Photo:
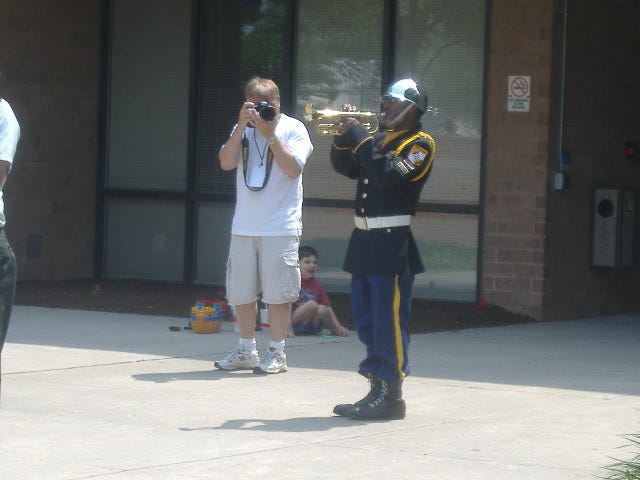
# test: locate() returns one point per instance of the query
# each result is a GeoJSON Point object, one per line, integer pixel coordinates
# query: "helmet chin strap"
{"type": "Point", "coordinates": [391, 124]}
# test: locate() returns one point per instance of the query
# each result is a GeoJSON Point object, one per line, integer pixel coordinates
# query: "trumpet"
{"type": "Point", "coordinates": [326, 119]}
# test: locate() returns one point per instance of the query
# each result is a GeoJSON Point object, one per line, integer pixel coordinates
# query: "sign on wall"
{"type": "Point", "coordinates": [518, 93]}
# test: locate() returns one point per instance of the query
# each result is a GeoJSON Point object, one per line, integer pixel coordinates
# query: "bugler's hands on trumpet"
{"type": "Point", "coordinates": [344, 124]}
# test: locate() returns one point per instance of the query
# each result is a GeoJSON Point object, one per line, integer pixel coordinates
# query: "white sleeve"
{"type": "Point", "coordinates": [299, 142]}
{"type": "Point", "coordinates": [9, 132]}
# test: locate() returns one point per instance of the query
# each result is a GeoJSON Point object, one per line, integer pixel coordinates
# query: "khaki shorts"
{"type": "Point", "coordinates": [263, 264]}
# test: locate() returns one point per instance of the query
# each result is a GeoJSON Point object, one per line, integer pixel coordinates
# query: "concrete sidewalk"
{"type": "Point", "coordinates": [89, 395]}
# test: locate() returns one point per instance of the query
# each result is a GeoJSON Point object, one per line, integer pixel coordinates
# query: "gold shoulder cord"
{"type": "Point", "coordinates": [432, 147]}
{"type": "Point", "coordinates": [411, 139]}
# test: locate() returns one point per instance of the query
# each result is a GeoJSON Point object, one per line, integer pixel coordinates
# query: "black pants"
{"type": "Point", "coordinates": [7, 289]}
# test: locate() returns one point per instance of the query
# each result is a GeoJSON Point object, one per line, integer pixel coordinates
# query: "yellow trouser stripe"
{"type": "Point", "coordinates": [396, 327]}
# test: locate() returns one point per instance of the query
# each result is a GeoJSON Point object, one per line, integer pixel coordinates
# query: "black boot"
{"type": "Point", "coordinates": [343, 408]}
{"type": "Point", "coordinates": [387, 405]}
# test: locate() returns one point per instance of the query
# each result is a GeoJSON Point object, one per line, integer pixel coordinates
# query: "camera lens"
{"type": "Point", "coordinates": [266, 111]}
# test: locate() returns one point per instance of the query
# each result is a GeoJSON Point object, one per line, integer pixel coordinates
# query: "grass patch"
{"type": "Point", "coordinates": [625, 469]}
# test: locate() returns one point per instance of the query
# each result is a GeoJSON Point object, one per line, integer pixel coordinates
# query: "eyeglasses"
{"type": "Point", "coordinates": [390, 99]}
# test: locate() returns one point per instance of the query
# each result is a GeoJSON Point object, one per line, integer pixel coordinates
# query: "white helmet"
{"type": "Point", "coordinates": [408, 90]}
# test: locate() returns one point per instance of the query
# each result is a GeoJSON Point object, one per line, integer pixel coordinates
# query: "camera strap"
{"type": "Point", "coordinates": [245, 163]}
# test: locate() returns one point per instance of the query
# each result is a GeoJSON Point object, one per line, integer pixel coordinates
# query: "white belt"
{"type": "Point", "coordinates": [369, 223]}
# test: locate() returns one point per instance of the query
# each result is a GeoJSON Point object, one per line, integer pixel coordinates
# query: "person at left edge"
{"type": "Point", "coordinates": [9, 136]}
{"type": "Point", "coordinates": [269, 150]}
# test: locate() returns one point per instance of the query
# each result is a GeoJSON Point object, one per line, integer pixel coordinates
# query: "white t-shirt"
{"type": "Point", "coordinates": [9, 136]}
{"type": "Point", "coordinates": [276, 209]}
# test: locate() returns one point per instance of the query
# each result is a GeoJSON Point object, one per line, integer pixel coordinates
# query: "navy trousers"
{"type": "Point", "coordinates": [380, 308]}
{"type": "Point", "coordinates": [7, 289]}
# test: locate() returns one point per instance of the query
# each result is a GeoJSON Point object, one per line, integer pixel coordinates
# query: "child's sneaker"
{"type": "Point", "coordinates": [275, 361]}
{"type": "Point", "coordinates": [239, 360]}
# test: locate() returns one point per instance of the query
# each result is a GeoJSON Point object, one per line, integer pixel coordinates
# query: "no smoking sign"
{"type": "Point", "coordinates": [518, 93]}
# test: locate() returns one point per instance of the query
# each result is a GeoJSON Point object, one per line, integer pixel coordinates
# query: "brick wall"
{"type": "Point", "coordinates": [50, 57]}
{"type": "Point", "coordinates": [601, 112]}
{"type": "Point", "coordinates": [537, 240]}
{"type": "Point", "coordinates": [516, 167]}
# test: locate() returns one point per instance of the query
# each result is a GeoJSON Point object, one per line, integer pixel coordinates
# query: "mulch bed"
{"type": "Point", "coordinates": [174, 300]}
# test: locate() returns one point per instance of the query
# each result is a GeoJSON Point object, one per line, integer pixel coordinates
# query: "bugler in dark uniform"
{"type": "Point", "coordinates": [391, 168]}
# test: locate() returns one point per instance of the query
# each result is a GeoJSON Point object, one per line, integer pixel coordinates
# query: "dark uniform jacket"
{"type": "Point", "coordinates": [391, 169]}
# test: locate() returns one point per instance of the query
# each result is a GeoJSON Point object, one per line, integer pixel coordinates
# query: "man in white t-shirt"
{"type": "Point", "coordinates": [9, 136]}
{"type": "Point", "coordinates": [269, 150]}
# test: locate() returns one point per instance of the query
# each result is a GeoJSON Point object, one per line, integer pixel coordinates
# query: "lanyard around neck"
{"type": "Point", "coordinates": [245, 163]}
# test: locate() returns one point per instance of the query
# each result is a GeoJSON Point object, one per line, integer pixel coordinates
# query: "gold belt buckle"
{"type": "Point", "coordinates": [361, 223]}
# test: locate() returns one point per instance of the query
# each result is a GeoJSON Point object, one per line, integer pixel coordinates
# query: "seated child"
{"type": "Point", "coordinates": [312, 311]}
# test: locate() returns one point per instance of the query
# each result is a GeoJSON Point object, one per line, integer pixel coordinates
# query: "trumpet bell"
{"type": "Point", "coordinates": [325, 119]}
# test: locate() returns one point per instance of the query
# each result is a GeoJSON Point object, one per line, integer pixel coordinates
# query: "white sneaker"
{"type": "Point", "coordinates": [238, 360]}
{"type": "Point", "coordinates": [275, 361]}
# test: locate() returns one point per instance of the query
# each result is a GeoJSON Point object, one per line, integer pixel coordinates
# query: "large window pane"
{"type": "Point", "coordinates": [145, 239]}
{"type": "Point", "coordinates": [212, 240]}
{"type": "Point", "coordinates": [238, 40]}
{"type": "Point", "coordinates": [148, 95]}
{"type": "Point", "coordinates": [339, 61]}
{"type": "Point", "coordinates": [447, 244]}
{"type": "Point", "coordinates": [442, 43]}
